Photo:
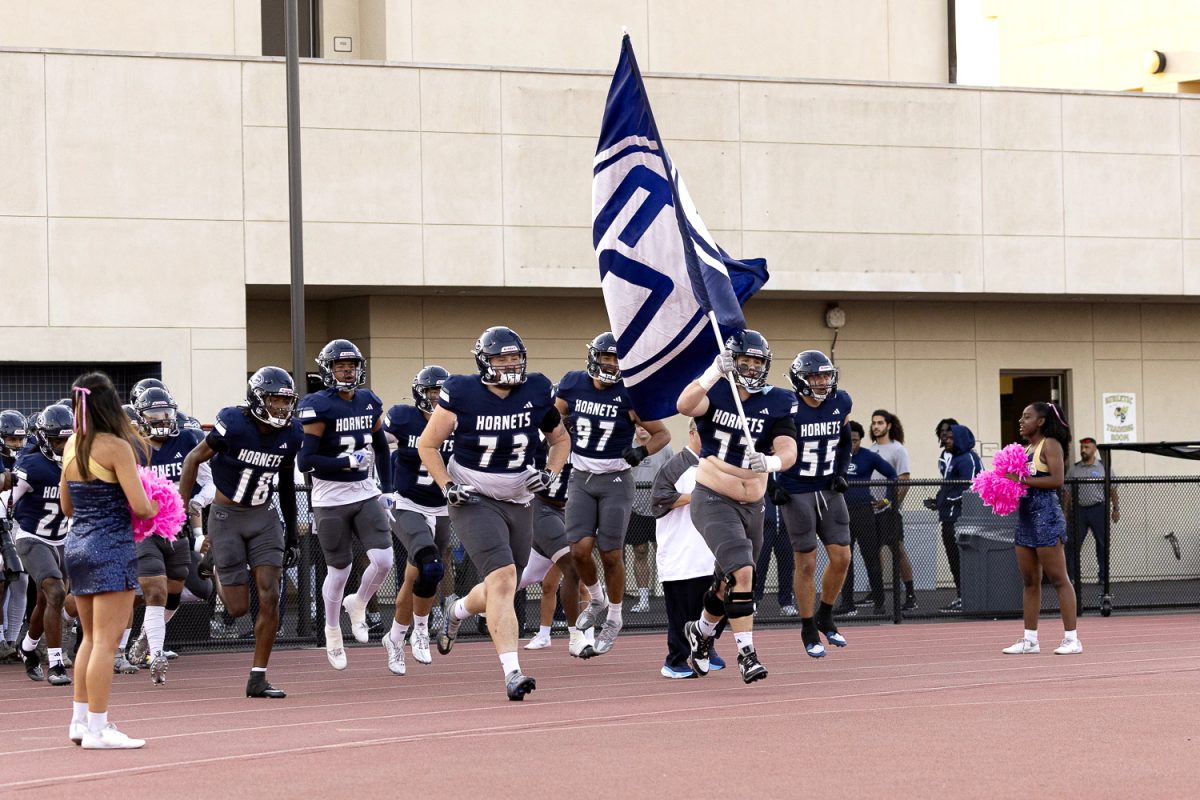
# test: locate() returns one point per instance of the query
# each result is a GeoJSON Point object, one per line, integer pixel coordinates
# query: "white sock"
{"type": "Point", "coordinates": [596, 592]}
{"type": "Point", "coordinates": [125, 637]}
{"type": "Point", "coordinates": [509, 663]}
{"type": "Point", "coordinates": [332, 589]}
{"type": "Point", "coordinates": [78, 712]}
{"type": "Point", "coordinates": [258, 669]}
{"type": "Point", "coordinates": [1030, 636]}
{"type": "Point", "coordinates": [1071, 636]}
{"type": "Point", "coordinates": [571, 630]}
{"type": "Point", "coordinates": [397, 633]}
{"type": "Point", "coordinates": [744, 639]}
{"type": "Point", "coordinates": [28, 644]}
{"type": "Point", "coordinates": [55, 654]}
{"type": "Point", "coordinates": [643, 595]}
{"type": "Point", "coordinates": [706, 627]}
{"type": "Point", "coordinates": [97, 721]}
{"type": "Point", "coordinates": [421, 621]}
{"type": "Point", "coordinates": [156, 628]}
{"type": "Point", "coordinates": [614, 613]}
{"type": "Point", "coordinates": [544, 631]}
{"type": "Point", "coordinates": [460, 609]}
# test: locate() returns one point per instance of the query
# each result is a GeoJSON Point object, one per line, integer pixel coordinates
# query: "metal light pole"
{"type": "Point", "coordinates": [295, 204]}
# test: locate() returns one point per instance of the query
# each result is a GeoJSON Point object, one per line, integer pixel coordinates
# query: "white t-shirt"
{"type": "Point", "coordinates": [895, 454]}
{"type": "Point", "coordinates": [681, 551]}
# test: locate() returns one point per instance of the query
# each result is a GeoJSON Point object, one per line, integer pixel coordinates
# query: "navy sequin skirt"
{"type": "Point", "coordinates": [1040, 520]}
{"type": "Point", "coordinates": [100, 554]}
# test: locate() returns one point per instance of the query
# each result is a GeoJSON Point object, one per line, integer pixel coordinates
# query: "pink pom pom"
{"type": "Point", "coordinates": [171, 513]}
{"type": "Point", "coordinates": [995, 489]}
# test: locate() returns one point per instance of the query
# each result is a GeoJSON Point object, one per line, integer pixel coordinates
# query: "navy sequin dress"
{"type": "Point", "coordinates": [100, 555]}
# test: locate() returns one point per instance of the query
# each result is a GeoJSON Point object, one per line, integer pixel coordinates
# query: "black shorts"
{"type": "Point", "coordinates": [157, 557]}
{"type": "Point", "coordinates": [338, 525]}
{"type": "Point", "coordinates": [243, 536]}
{"type": "Point", "coordinates": [42, 560]}
{"type": "Point", "coordinates": [641, 530]}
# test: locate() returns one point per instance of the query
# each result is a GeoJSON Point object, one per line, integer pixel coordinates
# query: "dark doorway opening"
{"type": "Point", "coordinates": [1019, 388]}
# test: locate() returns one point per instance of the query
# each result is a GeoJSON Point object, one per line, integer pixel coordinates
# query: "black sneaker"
{"type": "Point", "coordinates": [205, 567]}
{"type": "Point", "coordinates": [910, 603]}
{"type": "Point", "coordinates": [701, 647]}
{"type": "Point", "coordinates": [33, 664]}
{"type": "Point", "coordinates": [955, 607]}
{"type": "Point", "coordinates": [517, 685]}
{"type": "Point", "coordinates": [58, 676]}
{"type": "Point", "coordinates": [258, 686]}
{"type": "Point", "coordinates": [752, 669]}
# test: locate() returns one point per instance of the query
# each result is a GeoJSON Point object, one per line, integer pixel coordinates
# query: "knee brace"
{"type": "Point", "coordinates": [429, 572]}
{"type": "Point", "coordinates": [739, 604]}
{"type": "Point", "coordinates": [173, 600]}
{"type": "Point", "coordinates": [713, 603]}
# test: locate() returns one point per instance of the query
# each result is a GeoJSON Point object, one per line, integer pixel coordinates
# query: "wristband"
{"type": "Point", "coordinates": [774, 463]}
{"type": "Point", "coordinates": [710, 377]}
{"type": "Point", "coordinates": [198, 535]}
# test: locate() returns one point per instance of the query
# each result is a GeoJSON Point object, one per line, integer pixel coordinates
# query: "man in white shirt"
{"type": "Point", "coordinates": [685, 564]}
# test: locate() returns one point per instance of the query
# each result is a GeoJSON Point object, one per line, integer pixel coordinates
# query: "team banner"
{"type": "Point", "coordinates": [660, 269]}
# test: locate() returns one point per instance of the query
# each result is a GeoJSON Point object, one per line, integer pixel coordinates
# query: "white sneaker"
{"type": "Point", "coordinates": [76, 731]}
{"type": "Point", "coordinates": [1022, 647]}
{"type": "Point", "coordinates": [419, 641]}
{"type": "Point", "coordinates": [1069, 647]}
{"type": "Point", "coordinates": [358, 617]}
{"type": "Point", "coordinates": [334, 650]}
{"type": "Point", "coordinates": [579, 646]}
{"type": "Point", "coordinates": [110, 739]}
{"type": "Point", "coordinates": [788, 610]}
{"type": "Point", "coordinates": [641, 607]}
{"type": "Point", "coordinates": [538, 642]}
{"type": "Point", "coordinates": [395, 655]}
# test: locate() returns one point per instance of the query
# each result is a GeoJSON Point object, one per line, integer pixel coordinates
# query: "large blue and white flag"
{"type": "Point", "coordinates": [660, 270]}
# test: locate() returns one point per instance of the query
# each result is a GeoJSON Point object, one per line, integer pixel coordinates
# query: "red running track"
{"type": "Point", "coordinates": [927, 710]}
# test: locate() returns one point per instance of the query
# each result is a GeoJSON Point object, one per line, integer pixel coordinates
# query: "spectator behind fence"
{"type": "Point", "coordinates": [958, 442]}
{"type": "Point", "coordinates": [887, 439]}
{"type": "Point", "coordinates": [776, 543]}
{"type": "Point", "coordinates": [685, 564]}
{"type": "Point", "coordinates": [641, 522]}
{"type": "Point", "coordinates": [1089, 515]}
{"type": "Point", "coordinates": [864, 465]}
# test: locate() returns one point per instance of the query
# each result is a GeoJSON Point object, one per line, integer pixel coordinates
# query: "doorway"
{"type": "Point", "coordinates": [1019, 388]}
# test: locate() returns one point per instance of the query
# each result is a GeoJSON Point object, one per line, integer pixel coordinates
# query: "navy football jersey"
{"type": "Point", "coordinates": [167, 460]}
{"type": "Point", "coordinates": [720, 430]}
{"type": "Point", "coordinates": [601, 419]}
{"type": "Point", "coordinates": [496, 434]}
{"type": "Point", "coordinates": [410, 479]}
{"type": "Point", "coordinates": [558, 487]}
{"type": "Point", "coordinates": [37, 510]}
{"type": "Point", "coordinates": [817, 433]}
{"type": "Point", "coordinates": [348, 425]}
{"type": "Point", "coordinates": [247, 460]}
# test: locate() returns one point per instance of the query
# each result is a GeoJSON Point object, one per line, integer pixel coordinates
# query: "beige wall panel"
{"type": "Point", "coordinates": [372, 30]}
{"type": "Point", "coordinates": [569, 35]}
{"type": "Point", "coordinates": [795, 324]}
{"type": "Point", "coordinates": [1117, 322]}
{"type": "Point", "coordinates": [460, 101]}
{"type": "Point", "coordinates": [692, 109]}
{"type": "Point", "coordinates": [1113, 124]}
{"type": "Point", "coordinates": [917, 41]}
{"type": "Point", "coordinates": [1022, 193]}
{"type": "Point", "coordinates": [336, 254]}
{"type": "Point", "coordinates": [1190, 179]}
{"type": "Point", "coordinates": [546, 257]}
{"type": "Point", "coordinates": [460, 179]}
{"type": "Point", "coordinates": [218, 380]}
{"type": "Point", "coordinates": [1168, 351]}
{"type": "Point", "coordinates": [712, 174]}
{"type": "Point", "coordinates": [846, 350]}
{"type": "Point", "coordinates": [101, 163]}
{"type": "Point", "coordinates": [340, 18]}
{"type": "Point", "coordinates": [1121, 195]}
{"type": "Point", "coordinates": [247, 27]}
{"type": "Point", "coordinates": [844, 40]}
{"type": "Point", "coordinates": [1021, 120]}
{"type": "Point", "coordinates": [23, 134]}
{"type": "Point", "coordinates": [1165, 413]}
{"type": "Point", "coordinates": [838, 262]}
{"type": "Point", "coordinates": [1189, 125]}
{"type": "Point", "coordinates": [110, 272]}
{"type": "Point", "coordinates": [871, 384]}
{"type": "Point", "coordinates": [1148, 266]}
{"type": "Point", "coordinates": [270, 321]}
{"type": "Point", "coordinates": [1034, 322]}
{"type": "Point", "coordinates": [537, 189]}
{"type": "Point", "coordinates": [933, 321]}
{"type": "Point", "coordinates": [936, 351]}
{"type": "Point", "coordinates": [867, 115]}
{"type": "Point", "coordinates": [261, 354]}
{"type": "Point", "coordinates": [121, 25]}
{"type": "Point", "coordinates": [1129, 351]}
{"type": "Point", "coordinates": [171, 346]}
{"type": "Point", "coordinates": [1170, 322]}
{"type": "Point", "coordinates": [264, 156]}
{"type": "Point", "coordinates": [219, 338]}
{"type": "Point", "coordinates": [397, 317]}
{"type": "Point", "coordinates": [391, 379]}
{"type": "Point", "coordinates": [335, 96]}
{"type": "Point", "coordinates": [929, 391]}
{"type": "Point", "coordinates": [24, 272]}
{"type": "Point", "coordinates": [1024, 264]}
{"type": "Point", "coordinates": [820, 187]}
{"type": "Point", "coordinates": [553, 105]}
{"type": "Point", "coordinates": [1191, 267]}
{"type": "Point", "coordinates": [463, 255]}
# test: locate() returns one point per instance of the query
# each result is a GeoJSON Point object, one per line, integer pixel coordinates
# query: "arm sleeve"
{"type": "Point", "coordinates": [663, 493]}
{"type": "Point", "coordinates": [551, 420]}
{"type": "Point", "coordinates": [311, 460]}
{"type": "Point", "coordinates": [287, 498]}
{"type": "Point", "coordinates": [383, 461]}
{"type": "Point", "coordinates": [841, 459]}
{"type": "Point", "coordinates": [784, 426]}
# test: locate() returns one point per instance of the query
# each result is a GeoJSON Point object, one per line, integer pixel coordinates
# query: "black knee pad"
{"type": "Point", "coordinates": [429, 572]}
{"type": "Point", "coordinates": [713, 603]}
{"type": "Point", "coordinates": [739, 604]}
{"type": "Point", "coordinates": [173, 601]}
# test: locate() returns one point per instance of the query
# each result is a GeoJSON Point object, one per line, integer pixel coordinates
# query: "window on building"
{"type": "Point", "coordinates": [274, 35]}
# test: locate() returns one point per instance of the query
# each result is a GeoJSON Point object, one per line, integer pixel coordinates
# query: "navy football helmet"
{"type": "Point", "coordinates": [429, 378]}
{"type": "Point", "coordinates": [131, 412]}
{"type": "Point", "coordinates": [143, 385]}
{"type": "Point", "coordinates": [604, 343]}
{"type": "Point", "coordinates": [157, 413]}
{"type": "Point", "coordinates": [754, 344]}
{"type": "Point", "coordinates": [807, 364]}
{"type": "Point", "coordinates": [55, 425]}
{"type": "Point", "coordinates": [499, 341]}
{"type": "Point", "coordinates": [271, 382]}
{"type": "Point", "coordinates": [341, 350]}
{"type": "Point", "coordinates": [14, 430]}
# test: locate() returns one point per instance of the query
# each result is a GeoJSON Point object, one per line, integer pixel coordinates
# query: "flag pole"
{"type": "Point", "coordinates": [733, 385]}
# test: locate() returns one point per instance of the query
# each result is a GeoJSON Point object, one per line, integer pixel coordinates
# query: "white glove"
{"type": "Point", "coordinates": [758, 462]}
{"type": "Point", "coordinates": [539, 481]}
{"type": "Point", "coordinates": [361, 459]}
{"type": "Point", "coordinates": [387, 500]}
{"type": "Point", "coordinates": [722, 365]}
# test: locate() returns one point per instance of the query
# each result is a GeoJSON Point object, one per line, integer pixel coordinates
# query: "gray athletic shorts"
{"type": "Point", "coordinates": [411, 529]}
{"type": "Point", "coordinates": [41, 559]}
{"type": "Point", "coordinates": [549, 528]}
{"type": "Point", "coordinates": [733, 531]}
{"type": "Point", "coordinates": [816, 514]}
{"type": "Point", "coordinates": [599, 504]}
{"type": "Point", "coordinates": [156, 557]}
{"type": "Point", "coordinates": [495, 534]}
{"type": "Point", "coordinates": [242, 535]}
{"type": "Point", "coordinates": [337, 525]}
